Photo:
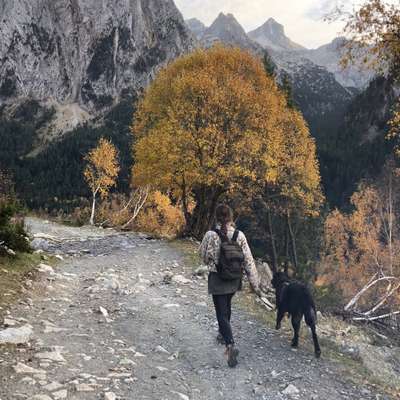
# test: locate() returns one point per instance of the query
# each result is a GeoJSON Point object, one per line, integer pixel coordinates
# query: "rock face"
{"type": "Point", "coordinates": [361, 144]}
{"type": "Point", "coordinates": [85, 52]}
{"type": "Point", "coordinates": [226, 29]}
{"type": "Point", "coordinates": [321, 98]}
{"type": "Point", "coordinates": [317, 93]}
{"type": "Point", "coordinates": [329, 56]}
{"type": "Point", "coordinates": [272, 35]}
{"type": "Point", "coordinates": [196, 26]}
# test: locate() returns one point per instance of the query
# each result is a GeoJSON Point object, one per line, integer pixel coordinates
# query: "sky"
{"type": "Point", "coordinates": [303, 19]}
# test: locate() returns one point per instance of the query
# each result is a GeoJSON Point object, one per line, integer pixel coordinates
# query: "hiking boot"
{"type": "Point", "coordinates": [220, 339]}
{"type": "Point", "coordinates": [232, 354]}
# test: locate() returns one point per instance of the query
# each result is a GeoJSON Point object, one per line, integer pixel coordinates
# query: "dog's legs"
{"type": "Point", "coordinates": [279, 317]}
{"type": "Point", "coordinates": [296, 321]}
{"type": "Point", "coordinates": [311, 319]}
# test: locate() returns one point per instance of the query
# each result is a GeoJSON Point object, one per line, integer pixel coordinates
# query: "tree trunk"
{"type": "Point", "coordinates": [293, 243]}
{"type": "Point", "coordinates": [93, 209]}
{"type": "Point", "coordinates": [272, 239]}
{"type": "Point", "coordinates": [287, 252]}
{"type": "Point", "coordinates": [266, 217]}
{"type": "Point", "coordinates": [203, 215]}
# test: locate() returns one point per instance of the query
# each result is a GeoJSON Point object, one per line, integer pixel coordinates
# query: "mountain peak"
{"type": "Point", "coordinates": [227, 20]}
{"type": "Point", "coordinates": [227, 29]}
{"type": "Point", "coordinates": [196, 26]}
{"type": "Point", "coordinates": [272, 35]}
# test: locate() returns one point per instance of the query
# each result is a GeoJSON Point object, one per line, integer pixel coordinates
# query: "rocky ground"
{"type": "Point", "coordinates": [122, 317]}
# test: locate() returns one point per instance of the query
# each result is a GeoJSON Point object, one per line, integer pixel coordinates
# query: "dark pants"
{"type": "Point", "coordinates": [222, 303]}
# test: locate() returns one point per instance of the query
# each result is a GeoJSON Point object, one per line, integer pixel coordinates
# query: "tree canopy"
{"type": "Point", "coordinates": [102, 170]}
{"type": "Point", "coordinates": [213, 122]}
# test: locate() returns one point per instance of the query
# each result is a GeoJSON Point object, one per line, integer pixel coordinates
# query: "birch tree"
{"type": "Point", "coordinates": [101, 171]}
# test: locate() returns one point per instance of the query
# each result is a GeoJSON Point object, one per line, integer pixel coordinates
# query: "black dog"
{"type": "Point", "coordinates": [295, 298]}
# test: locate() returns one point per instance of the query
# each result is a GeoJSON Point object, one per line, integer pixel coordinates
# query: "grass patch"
{"type": "Point", "coordinates": [189, 250]}
{"type": "Point", "coordinates": [13, 272]}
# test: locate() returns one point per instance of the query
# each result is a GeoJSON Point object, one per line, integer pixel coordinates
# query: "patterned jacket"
{"type": "Point", "coordinates": [210, 248]}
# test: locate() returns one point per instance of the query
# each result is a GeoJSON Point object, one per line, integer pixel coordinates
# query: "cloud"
{"type": "Point", "coordinates": [320, 9]}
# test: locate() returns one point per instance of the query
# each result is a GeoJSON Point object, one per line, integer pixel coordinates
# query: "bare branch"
{"type": "Point", "coordinates": [388, 315]}
{"type": "Point", "coordinates": [372, 283]}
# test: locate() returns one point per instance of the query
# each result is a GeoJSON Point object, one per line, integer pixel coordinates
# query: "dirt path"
{"type": "Point", "coordinates": [158, 339]}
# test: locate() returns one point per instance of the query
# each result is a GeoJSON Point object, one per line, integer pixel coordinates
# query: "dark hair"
{"type": "Point", "coordinates": [224, 215]}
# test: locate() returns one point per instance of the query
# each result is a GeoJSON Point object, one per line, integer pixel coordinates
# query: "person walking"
{"type": "Point", "coordinates": [226, 253]}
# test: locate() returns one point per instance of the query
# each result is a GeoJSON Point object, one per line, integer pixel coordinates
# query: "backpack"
{"type": "Point", "coordinates": [231, 259]}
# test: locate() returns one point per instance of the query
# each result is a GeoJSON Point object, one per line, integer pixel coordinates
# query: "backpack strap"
{"type": "Point", "coordinates": [235, 236]}
{"type": "Point", "coordinates": [223, 237]}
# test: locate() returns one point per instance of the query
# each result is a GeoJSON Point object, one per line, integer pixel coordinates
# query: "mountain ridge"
{"type": "Point", "coordinates": [272, 35]}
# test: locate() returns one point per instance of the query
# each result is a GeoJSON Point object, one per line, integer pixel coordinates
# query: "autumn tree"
{"type": "Point", "coordinates": [374, 36]}
{"type": "Point", "coordinates": [374, 43]}
{"type": "Point", "coordinates": [101, 171]}
{"type": "Point", "coordinates": [289, 191]}
{"type": "Point", "coordinates": [212, 123]}
{"type": "Point", "coordinates": [362, 250]}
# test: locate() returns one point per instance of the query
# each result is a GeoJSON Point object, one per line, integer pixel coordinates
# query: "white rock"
{"type": "Point", "coordinates": [9, 322]}
{"type": "Point", "coordinates": [110, 396]}
{"type": "Point", "coordinates": [291, 390]}
{"type": "Point", "coordinates": [103, 311]}
{"type": "Point", "coordinates": [181, 279]}
{"type": "Point", "coordinates": [61, 394]}
{"type": "Point", "coordinates": [171, 305]}
{"type": "Point", "coordinates": [84, 387]}
{"type": "Point", "coordinates": [51, 387]}
{"type": "Point", "coordinates": [50, 356]}
{"type": "Point", "coordinates": [11, 252]}
{"type": "Point", "coordinates": [21, 368]}
{"type": "Point", "coordinates": [16, 335]}
{"type": "Point", "coordinates": [127, 361]}
{"type": "Point", "coordinates": [160, 349]}
{"type": "Point", "coordinates": [41, 397]}
{"type": "Point", "coordinates": [28, 381]}
{"type": "Point", "coordinates": [202, 270]}
{"type": "Point", "coordinates": [44, 268]}
{"type": "Point", "coordinates": [182, 396]}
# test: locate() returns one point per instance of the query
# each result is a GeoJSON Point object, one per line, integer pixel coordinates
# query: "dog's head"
{"type": "Point", "coordinates": [279, 280]}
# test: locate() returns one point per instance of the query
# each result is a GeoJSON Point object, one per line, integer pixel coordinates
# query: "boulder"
{"type": "Point", "coordinates": [46, 269]}
{"type": "Point", "coordinates": [16, 335]}
{"type": "Point", "coordinates": [21, 368]}
{"type": "Point", "coordinates": [180, 279]}
{"type": "Point", "coordinates": [291, 390]}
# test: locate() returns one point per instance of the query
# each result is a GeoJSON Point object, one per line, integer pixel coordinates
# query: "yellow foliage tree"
{"type": "Point", "coordinates": [101, 171]}
{"type": "Point", "coordinates": [160, 217]}
{"type": "Point", "coordinates": [362, 249]}
{"type": "Point", "coordinates": [212, 123]}
{"type": "Point", "coordinates": [374, 32]}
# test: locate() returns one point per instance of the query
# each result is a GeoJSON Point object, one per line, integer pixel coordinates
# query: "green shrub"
{"type": "Point", "coordinates": [12, 231]}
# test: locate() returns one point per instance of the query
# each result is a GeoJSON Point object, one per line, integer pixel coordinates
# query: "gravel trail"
{"type": "Point", "coordinates": [109, 324]}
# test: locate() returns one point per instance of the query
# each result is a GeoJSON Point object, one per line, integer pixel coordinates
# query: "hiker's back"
{"type": "Point", "coordinates": [231, 258]}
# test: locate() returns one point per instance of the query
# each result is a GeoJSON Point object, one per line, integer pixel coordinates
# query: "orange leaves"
{"type": "Point", "coordinates": [214, 118]}
{"type": "Point", "coordinates": [102, 167]}
{"type": "Point", "coordinates": [366, 242]}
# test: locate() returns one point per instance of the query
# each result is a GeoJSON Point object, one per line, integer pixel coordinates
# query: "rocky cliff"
{"type": "Point", "coordinates": [85, 52]}
{"type": "Point", "coordinates": [272, 35]}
